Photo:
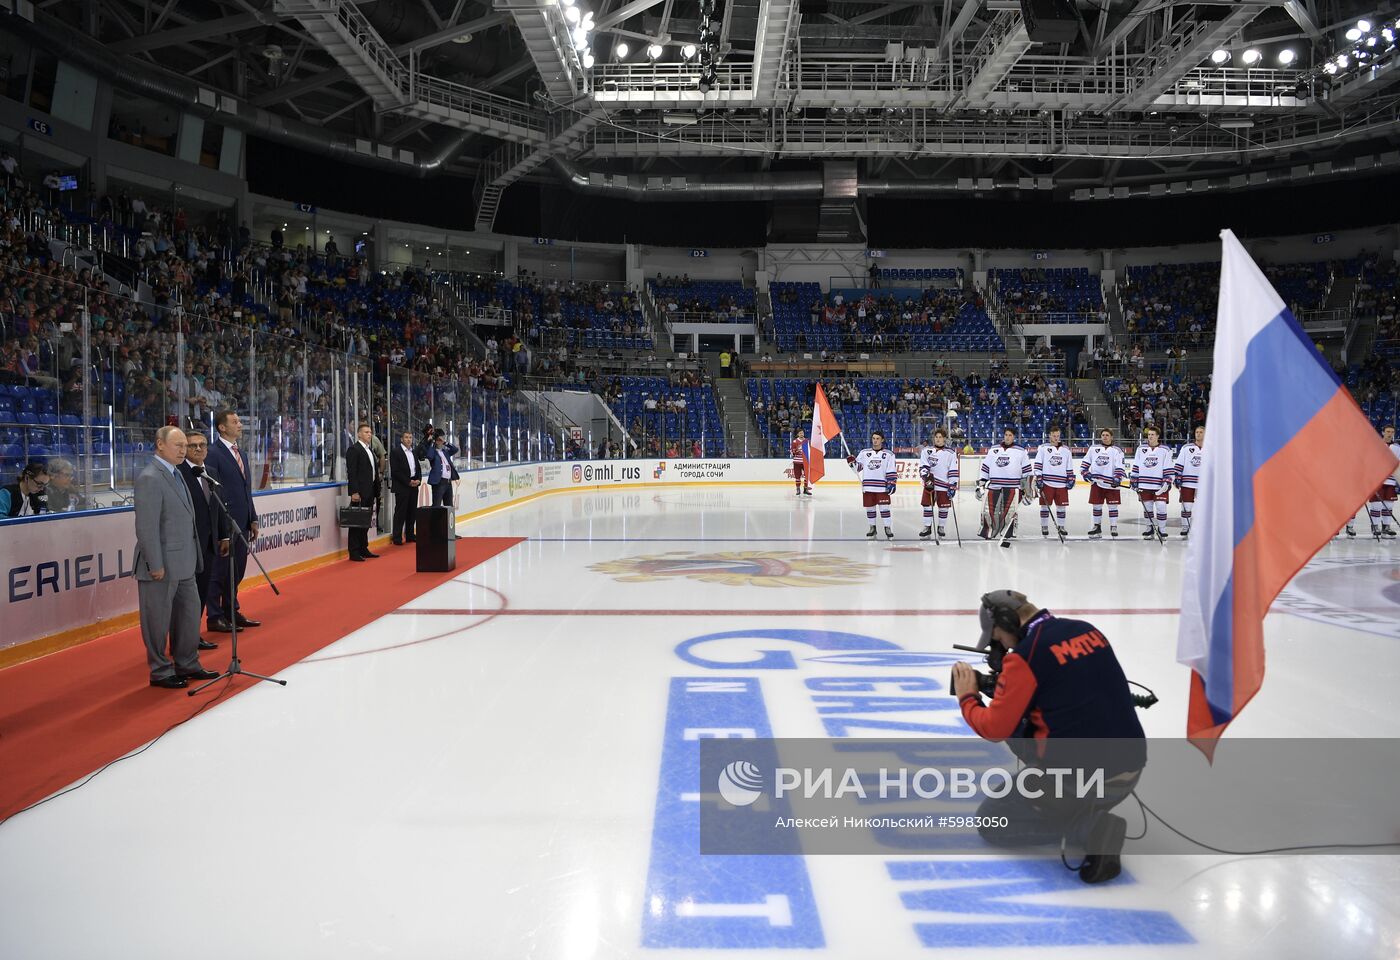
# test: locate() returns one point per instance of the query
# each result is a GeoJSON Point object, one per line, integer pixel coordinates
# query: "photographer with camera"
{"type": "Point", "coordinates": [441, 470]}
{"type": "Point", "coordinates": [1054, 681]}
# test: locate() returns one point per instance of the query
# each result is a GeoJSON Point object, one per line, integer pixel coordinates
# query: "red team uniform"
{"type": "Point", "coordinates": [938, 469]}
{"type": "Point", "coordinates": [799, 466]}
{"type": "Point", "coordinates": [1186, 475]}
{"type": "Point", "coordinates": [877, 470]}
{"type": "Point", "coordinates": [1053, 470]}
{"type": "Point", "coordinates": [1103, 468]}
{"type": "Point", "coordinates": [1153, 468]}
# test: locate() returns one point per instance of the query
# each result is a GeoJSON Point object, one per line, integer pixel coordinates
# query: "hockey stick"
{"type": "Point", "coordinates": [1059, 527]}
{"type": "Point", "coordinates": [953, 509]}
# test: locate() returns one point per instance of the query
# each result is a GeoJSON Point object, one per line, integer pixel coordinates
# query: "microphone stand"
{"type": "Point", "coordinates": [235, 667]}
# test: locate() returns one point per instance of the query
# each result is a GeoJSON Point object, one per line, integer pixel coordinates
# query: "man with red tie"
{"type": "Point", "coordinates": [228, 465]}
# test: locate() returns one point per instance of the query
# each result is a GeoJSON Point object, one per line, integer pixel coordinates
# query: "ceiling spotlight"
{"type": "Point", "coordinates": [1220, 57]}
{"type": "Point", "coordinates": [1330, 69]}
{"type": "Point", "coordinates": [1354, 34]}
{"type": "Point", "coordinates": [568, 3]}
{"type": "Point", "coordinates": [1364, 26]}
{"type": "Point", "coordinates": [621, 50]}
{"type": "Point", "coordinates": [1252, 57]}
{"type": "Point", "coordinates": [1343, 62]}
{"type": "Point", "coordinates": [1370, 41]}
{"type": "Point", "coordinates": [655, 51]}
{"type": "Point", "coordinates": [588, 60]}
{"type": "Point", "coordinates": [1286, 56]}
{"type": "Point", "coordinates": [688, 51]}
{"type": "Point", "coordinates": [571, 14]}
{"type": "Point", "coordinates": [588, 20]}
{"type": "Point", "coordinates": [1388, 35]}
{"type": "Point", "coordinates": [580, 39]}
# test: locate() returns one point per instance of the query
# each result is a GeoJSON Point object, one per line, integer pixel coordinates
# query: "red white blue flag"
{"type": "Point", "coordinates": [1267, 501]}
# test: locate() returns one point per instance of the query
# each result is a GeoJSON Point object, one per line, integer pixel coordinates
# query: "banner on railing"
{"type": "Point", "coordinates": [75, 569]}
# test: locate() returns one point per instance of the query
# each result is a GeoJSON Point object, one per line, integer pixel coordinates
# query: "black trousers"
{"type": "Point", "coordinates": [201, 579]}
{"type": "Point", "coordinates": [220, 593]}
{"type": "Point", "coordinates": [358, 541]}
{"type": "Point", "coordinates": [405, 511]}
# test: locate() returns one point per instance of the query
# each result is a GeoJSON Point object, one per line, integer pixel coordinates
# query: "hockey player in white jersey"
{"type": "Point", "coordinates": [1053, 471]}
{"type": "Point", "coordinates": [1005, 477]}
{"type": "Point", "coordinates": [1102, 466]}
{"type": "Point", "coordinates": [1186, 476]}
{"type": "Point", "coordinates": [1381, 505]}
{"type": "Point", "coordinates": [938, 469]}
{"type": "Point", "coordinates": [876, 468]}
{"type": "Point", "coordinates": [1151, 477]}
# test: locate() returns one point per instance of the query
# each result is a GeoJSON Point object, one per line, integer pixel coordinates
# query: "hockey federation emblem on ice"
{"type": "Point", "coordinates": [740, 568]}
{"type": "Point", "coordinates": [1360, 593]}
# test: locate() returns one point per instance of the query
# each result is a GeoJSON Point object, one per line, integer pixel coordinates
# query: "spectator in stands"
{"type": "Point", "coordinates": [64, 496]}
{"type": "Point", "coordinates": [27, 496]}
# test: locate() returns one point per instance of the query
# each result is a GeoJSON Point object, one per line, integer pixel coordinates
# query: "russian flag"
{"type": "Point", "coordinates": [824, 428]}
{"type": "Point", "coordinates": [1268, 500]}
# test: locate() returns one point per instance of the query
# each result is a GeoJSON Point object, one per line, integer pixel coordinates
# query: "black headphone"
{"type": "Point", "coordinates": [1004, 613]}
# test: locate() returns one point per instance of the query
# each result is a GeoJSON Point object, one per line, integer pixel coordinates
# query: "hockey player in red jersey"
{"type": "Point", "coordinates": [799, 464]}
{"type": "Point", "coordinates": [876, 468]}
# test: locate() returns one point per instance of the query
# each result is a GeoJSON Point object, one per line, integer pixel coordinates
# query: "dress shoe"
{"type": "Point", "coordinates": [219, 625]}
{"type": "Point", "coordinates": [206, 645]}
{"type": "Point", "coordinates": [397, 543]}
{"type": "Point", "coordinates": [411, 538]}
{"type": "Point", "coordinates": [371, 556]}
{"type": "Point", "coordinates": [200, 674]}
{"type": "Point", "coordinates": [357, 559]}
{"type": "Point", "coordinates": [247, 621]}
{"type": "Point", "coordinates": [170, 683]}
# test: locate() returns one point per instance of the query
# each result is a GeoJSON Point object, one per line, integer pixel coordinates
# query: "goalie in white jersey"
{"type": "Point", "coordinates": [1187, 476]}
{"type": "Point", "coordinates": [876, 468]}
{"type": "Point", "coordinates": [1102, 466]}
{"type": "Point", "coordinates": [1053, 471]}
{"type": "Point", "coordinates": [1153, 468]}
{"type": "Point", "coordinates": [1005, 476]}
{"type": "Point", "coordinates": [938, 469]}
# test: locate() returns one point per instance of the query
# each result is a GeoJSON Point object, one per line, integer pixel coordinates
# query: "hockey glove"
{"type": "Point", "coordinates": [851, 461]}
{"type": "Point", "coordinates": [981, 491]}
{"type": "Point", "coordinates": [889, 488]}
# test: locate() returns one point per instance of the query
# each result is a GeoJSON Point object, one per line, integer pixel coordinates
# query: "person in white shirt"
{"type": "Point", "coordinates": [938, 469]}
{"type": "Point", "coordinates": [1054, 477]}
{"type": "Point", "coordinates": [1152, 479]}
{"type": "Point", "coordinates": [1006, 469]}
{"type": "Point", "coordinates": [876, 467]}
{"type": "Point", "coordinates": [1186, 475]}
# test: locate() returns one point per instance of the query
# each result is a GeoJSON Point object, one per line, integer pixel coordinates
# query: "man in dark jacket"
{"type": "Point", "coordinates": [25, 497]}
{"type": "Point", "coordinates": [229, 465]}
{"type": "Point", "coordinates": [361, 482]}
{"type": "Point", "coordinates": [211, 529]}
{"type": "Point", "coordinates": [405, 476]}
{"type": "Point", "coordinates": [1063, 699]}
{"type": "Point", "coordinates": [441, 470]}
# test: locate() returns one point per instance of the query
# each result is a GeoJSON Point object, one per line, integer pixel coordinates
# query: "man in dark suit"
{"type": "Point", "coordinates": [442, 471]}
{"type": "Point", "coordinates": [405, 476]}
{"type": "Point", "coordinates": [210, 526]}
{"type": "Point", "coordinates": [227, 464]}
{"type": "Point", "coordinates": [361, 482]}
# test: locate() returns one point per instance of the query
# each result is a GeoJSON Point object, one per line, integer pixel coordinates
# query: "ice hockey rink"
{"type": "Point", "coordinates": [491, 771]}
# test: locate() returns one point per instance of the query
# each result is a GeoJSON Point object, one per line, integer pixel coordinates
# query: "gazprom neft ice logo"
{"type": "Point", "coordinates": [740, 783]}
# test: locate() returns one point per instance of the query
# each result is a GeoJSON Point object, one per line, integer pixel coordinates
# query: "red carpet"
{"type": "Point", "coordinates": [65, 715]}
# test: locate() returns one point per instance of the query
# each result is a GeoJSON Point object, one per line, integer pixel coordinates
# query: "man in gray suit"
{"type": "Point", "coordinates": [167, 558]}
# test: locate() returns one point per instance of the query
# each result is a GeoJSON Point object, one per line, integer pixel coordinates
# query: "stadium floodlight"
{"type": "Point", "coordinates": [1252, 56]}
{"type": "Point", "coordinates": [1370, 41]}
{"type": "Point", "coordinates": [1286, 56]}
{"type": "Point", "coordinates": [568, 3]}
{"type": "Point", "coordinates": [571, 14]}
{"type": "Point", "coordinates": [1364, 26]}
{"type": "Point", "coordinates": [1388, 35]}
{"type": "Point", "coordinates": [580, 39]}
{"type": "Point", "coordinates": [588, 20]}
{"type": "Point", "coordinates": [688, 51]}
{"type": "Point", "coordinates": [1220, 57]}
{"type": "Point", "coordinates": [1354, 34]}
{"type": "Point", "coordinates": [588, 60]}
{"type": "Point", "coordinates": [655, 51]}
{"type": "Point", "coordinates": [1343, 62]}
{"type": "Point", "coordinates": [1330, 69]}
{"type": "Point", "coordinates": [621, 50]}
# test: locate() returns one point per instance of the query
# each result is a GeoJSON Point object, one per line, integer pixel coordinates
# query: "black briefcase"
{"type": "Point", "coordinates": [355, 516]}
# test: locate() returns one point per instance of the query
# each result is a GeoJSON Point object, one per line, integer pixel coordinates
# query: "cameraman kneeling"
{"type": "Point", "coordinates": [1059, 682]}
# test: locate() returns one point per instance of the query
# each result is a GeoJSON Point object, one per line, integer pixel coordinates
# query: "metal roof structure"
{"type": "Point", "coordinates": [663, 99]}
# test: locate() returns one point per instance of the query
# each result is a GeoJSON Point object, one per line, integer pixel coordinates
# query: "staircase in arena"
{"type": "Point", "coordinates": [345, 33]}
{"type": "Point", "coordinates": [1096, 405]}
{"type": "Point", "coordinates": [738, 418]}
{"type": "Point", "coordinates": [1117, 324]}
{"type": "Point", "coordinates": [1341, 295]}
